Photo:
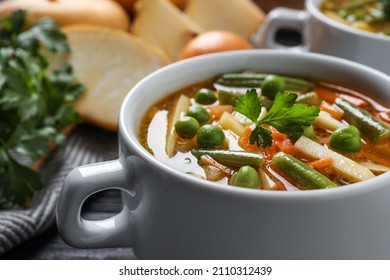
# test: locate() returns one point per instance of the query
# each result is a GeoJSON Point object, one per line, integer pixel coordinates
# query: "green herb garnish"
{"type": "Point", "coordinates": [285, 115]}
{"type": "Point", "coordinates": [386, 9]}
{"type": "Point", "coordinates": [34, 104]}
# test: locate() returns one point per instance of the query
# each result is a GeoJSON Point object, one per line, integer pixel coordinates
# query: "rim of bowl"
{"type": "Point", "coordinates": [314, 10]}
{"type": "Point", "coordinates": [136, 148]}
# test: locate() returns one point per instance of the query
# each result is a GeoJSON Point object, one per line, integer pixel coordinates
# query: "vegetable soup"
{"type": "Point", "coordinates": [368, 15]}
{"type": "Point", "coordinates": [268, 131]}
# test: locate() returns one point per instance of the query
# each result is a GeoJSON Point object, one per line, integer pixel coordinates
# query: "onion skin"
{"type": "Point", "coordinates": [214, 41]}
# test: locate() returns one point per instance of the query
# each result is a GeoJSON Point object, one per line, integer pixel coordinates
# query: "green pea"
{"type": "Point", "coordinates": [247, 177]}
{"type": "Point", "coordinates": [205, 96]}
{"type": "Point", "coordinates": [210, 136]}
{"type": "Point", "coordinates": [271, 85]}
{"type": "Point", "coordinates": [186, 127]}
{"type": "Point", "coordinates": [199, 113]}
{"type": "Point", "coordinates": [346, 139]}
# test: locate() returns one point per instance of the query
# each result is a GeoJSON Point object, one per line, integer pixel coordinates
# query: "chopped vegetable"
{"type": "Point", "coordinates": [232, 158]}
{"type": "Point", "coordinates": [217, 111]}
{"type": "Point", "coordinates": [333, 111]}
{"type": "Point", "coordinates": [309, 98]}
{"type": "Point", "coordinates": [208, 160]}
{"type": "Point", "coordinates": [181, 107]}
{"type": "Point", "coordinates": [327, 122]}
{"type": "Point", "coordinates": [371, 127]}
{"type": "Point", "coordinates": [244, 141]}
{"type": "Point", "coordinates": [354, 100]}
{"type": "Point", "coordinates": [321, 163]}
{"type": "Point", "coordinates": [305, 176]}
{"type": "Point", "coordinates": [266, 182]}
{"type": "Point", "coordinates": [343, 166]}
{"type": "Point", "coordinates": [285, 115]}
{"type": "Point", "coordinates": [229, 122]}
{"type": "Point", "coordinates": [376, 167]}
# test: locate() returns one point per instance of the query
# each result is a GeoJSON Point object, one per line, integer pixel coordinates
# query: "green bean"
{"type": "Point", "coordinates": [241, 79]}
{"type": "Point", "coordinates": [255, 80]}
{"type": "Point", "coordinates": [301, 173]}
{"type": "Point", "coordinates": [232, 158]}
{"type": "Point", "coordinates": [373, 128]}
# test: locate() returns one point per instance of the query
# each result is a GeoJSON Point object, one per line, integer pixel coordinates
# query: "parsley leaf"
{"type": "Point", "coordinates": [289, 117]}
{"type": "Point", "coordinates": [249, 105]}
{"type": "Point", "coordinates": [261, 136]}
{"type": "Point", "coordinates": [34, 103]}
{"type": "Point", "coordinates": [285, 115]}
{"type": "Point", "coordinates": [386, 9]}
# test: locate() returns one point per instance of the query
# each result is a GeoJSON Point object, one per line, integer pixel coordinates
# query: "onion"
{"type": "Point", "coordinates": [213, 174]}
{"type": "Point", "coordinates": [214, 41]}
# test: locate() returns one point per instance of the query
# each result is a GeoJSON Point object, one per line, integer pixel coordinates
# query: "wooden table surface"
{"type": "Point", "coordinates": [49, 244]}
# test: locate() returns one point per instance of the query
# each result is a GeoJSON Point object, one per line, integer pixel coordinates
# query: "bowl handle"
{"type": "Point", "coordinates": [84, 181]}
{"type": "Point", "coordinates": [277, 19]}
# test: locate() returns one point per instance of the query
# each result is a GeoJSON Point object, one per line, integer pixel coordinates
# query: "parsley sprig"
{"type": "Point", "coordinates": [34, 103]}
{"type": "Point", "coordinates": [285, 115]}
{"type": "Point", "coordinates": [386, 8]}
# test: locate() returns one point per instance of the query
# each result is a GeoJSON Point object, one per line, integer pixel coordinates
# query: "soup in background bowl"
{"type": "Point", "coordinates": [323, 34]}
{"type": "Point", "coordinates": [168, 214]}
{"type": "Point", "coordinates": [368, 15]}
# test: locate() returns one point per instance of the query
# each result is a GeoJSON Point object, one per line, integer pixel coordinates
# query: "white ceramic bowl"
{"type": "Point", "coordinates": [168, 214]}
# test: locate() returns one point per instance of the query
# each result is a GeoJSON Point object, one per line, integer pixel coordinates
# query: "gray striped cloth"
{"type": "Point", "coordinates": [86, 144]}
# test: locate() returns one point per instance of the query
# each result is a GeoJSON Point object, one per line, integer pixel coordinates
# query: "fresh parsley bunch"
{"type": "Point", "coordinates": [386, 8]}
{"type": "Point", "coordinates": [34, 104]}
{"type": "Point", "coordinates": [285, 115]}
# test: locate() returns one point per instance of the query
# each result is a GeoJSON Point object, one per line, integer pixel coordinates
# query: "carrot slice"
{"type": "Point", "coordinates": [326, 94]}
{"type": "Point", "coordinates": [321, 163]}
{"type": "Point", "coordinates": [384, 116]}
{"type": "Point", "coordinates": [285, 146]}
{"type": "Point", "coordinates": [217, 111]}
{"type": "Point", "coordinates": [355, 100]}
{"type": "Point", "coordinates": [243, 141]}
{"type": "Point", "coordinates": [206, 159]}
{"type": "Point", "coordinates": [331, 110]}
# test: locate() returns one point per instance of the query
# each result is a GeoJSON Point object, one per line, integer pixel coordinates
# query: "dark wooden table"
{"type": "Point", "coordinates": [49, 245]}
